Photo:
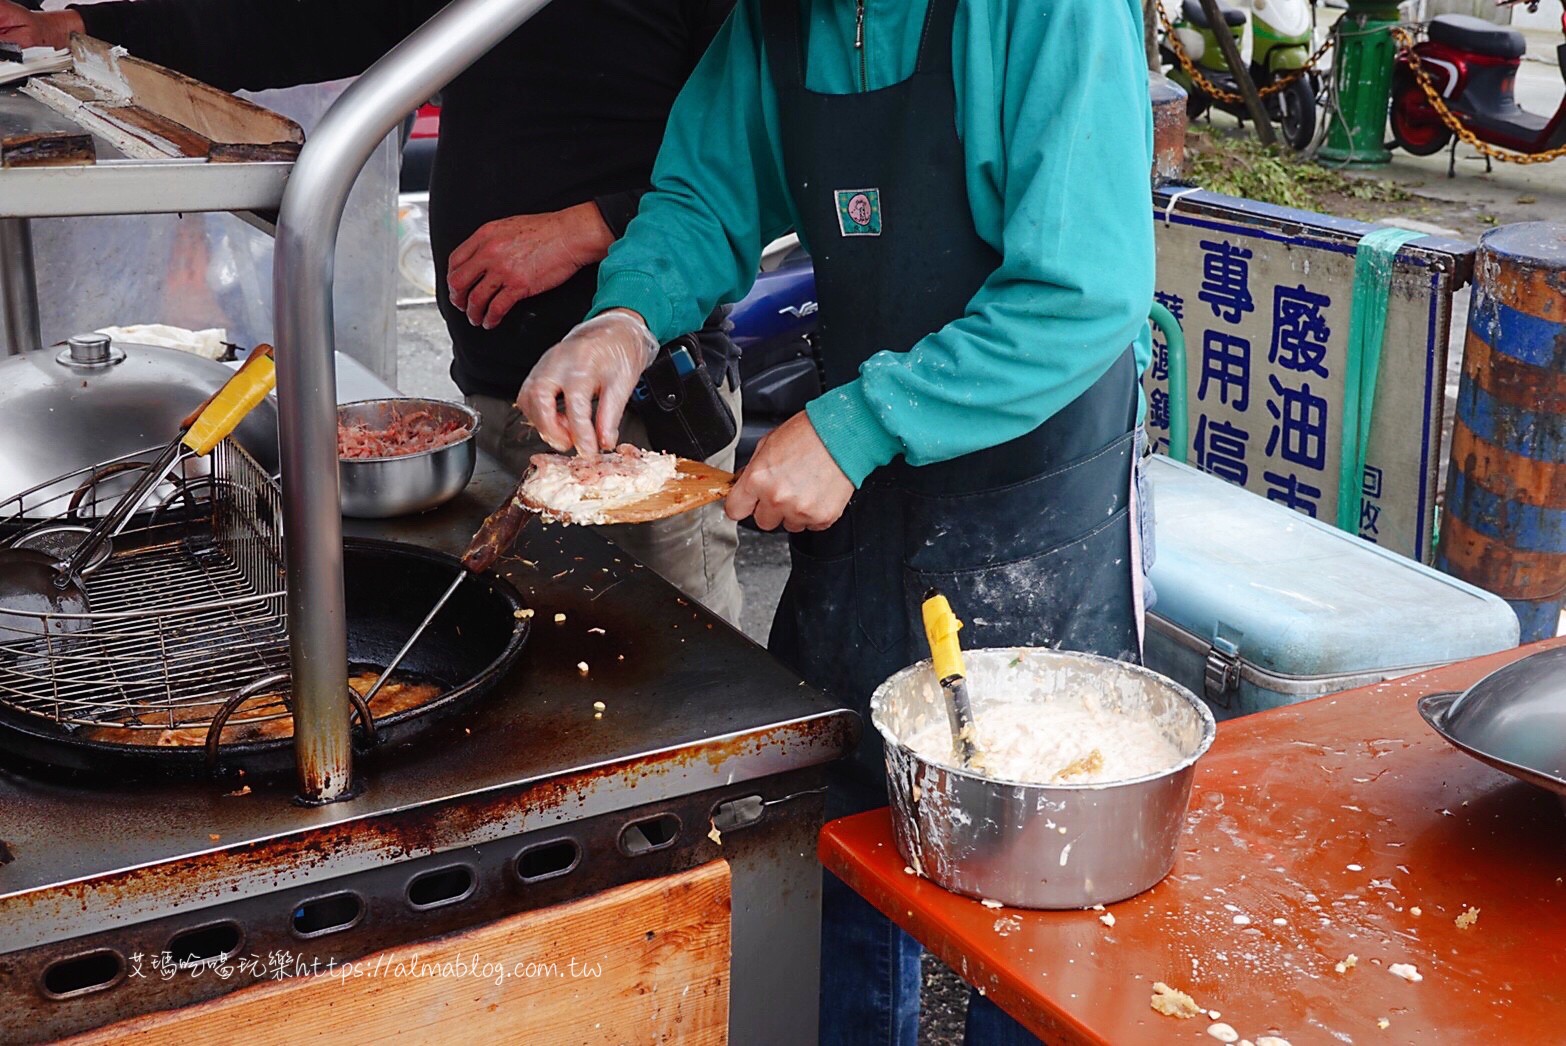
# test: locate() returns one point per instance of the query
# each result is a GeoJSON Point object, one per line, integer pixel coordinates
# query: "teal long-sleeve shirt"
{"type": "Point", "coordinates": [1056, 131]}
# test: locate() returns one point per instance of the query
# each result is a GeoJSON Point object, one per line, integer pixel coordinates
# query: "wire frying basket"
{"type": "Point", "coordinates": [184, 615]}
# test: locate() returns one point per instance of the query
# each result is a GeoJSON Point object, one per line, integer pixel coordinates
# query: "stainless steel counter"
{"type": "Point", "coordinates": [690, 706]}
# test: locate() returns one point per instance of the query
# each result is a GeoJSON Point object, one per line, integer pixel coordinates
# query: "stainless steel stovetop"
{"type": "Point", "coordinates": [694, 713]}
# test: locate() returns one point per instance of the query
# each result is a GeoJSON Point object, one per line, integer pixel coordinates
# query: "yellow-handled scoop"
{"type": "Point", "coordinates": [940, 628]}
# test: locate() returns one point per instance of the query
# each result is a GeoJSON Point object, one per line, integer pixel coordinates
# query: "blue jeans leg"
{"type": "Point", "coordinates": [869, 973]}
{"type": "Point", "coordinates": [989, 1025]}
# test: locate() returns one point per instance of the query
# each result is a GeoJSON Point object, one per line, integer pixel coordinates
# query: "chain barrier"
{"type": "Point", "coordinates": [1172, 39]}
{"type": "Point", "coordinates": [1405, 40]}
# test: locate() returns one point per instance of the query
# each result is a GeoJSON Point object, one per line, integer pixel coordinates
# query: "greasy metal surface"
{"type": "Point", "coordinates": [1339, 826]}
{"type": "Point", "coordinates": [693, 705]}
{"type": "Point", "coordinates": [19, 325]}
{"type": "Point", "coordinates": [768, 883]}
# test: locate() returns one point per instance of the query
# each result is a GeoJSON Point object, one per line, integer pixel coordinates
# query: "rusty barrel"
{"type": "Point", "coordinates": [1504, 528]}
{"type": "Point", "coordinates": [1169, 123]}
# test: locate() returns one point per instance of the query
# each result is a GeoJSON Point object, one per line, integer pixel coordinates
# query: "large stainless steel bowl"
{"type": "Point", "coordinates": [379, 488]}
{"type": "Point", "coordinates": [1031, 845]}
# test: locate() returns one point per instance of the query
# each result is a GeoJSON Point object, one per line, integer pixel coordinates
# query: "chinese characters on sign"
{"type": "Point", "coordinates": [1264, 298]}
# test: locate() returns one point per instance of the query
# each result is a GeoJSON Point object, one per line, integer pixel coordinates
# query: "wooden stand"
{"type": "Point", "coordinates": [648, 962]}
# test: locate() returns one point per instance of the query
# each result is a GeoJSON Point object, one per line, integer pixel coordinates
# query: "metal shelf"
{"type": "Point", "coordinates": [114, 185]}
{"type": "Point", "coordinates": [118, 185]}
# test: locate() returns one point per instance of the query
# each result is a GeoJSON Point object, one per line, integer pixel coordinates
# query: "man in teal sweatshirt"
{"type": "Point", "coordinates": [971, 180]}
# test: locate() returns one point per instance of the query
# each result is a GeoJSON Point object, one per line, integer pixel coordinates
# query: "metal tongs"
{"type": "Point", "coordinates": [35, 582]}
{"type": "Point", "coordinates": [940, 628]}
{"type": "Point", "coordinates": [494, 536]}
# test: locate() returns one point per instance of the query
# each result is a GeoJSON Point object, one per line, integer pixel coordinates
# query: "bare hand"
{"type": "Point", "coordinates": [792, 480]}
{"type": "Point", "coordinates": [26, 28]}
{"type": "Point", "coordinates": [522, 256]}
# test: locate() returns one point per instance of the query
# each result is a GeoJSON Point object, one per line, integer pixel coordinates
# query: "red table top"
{"type": "Point", "coordinates": [1324, 825]}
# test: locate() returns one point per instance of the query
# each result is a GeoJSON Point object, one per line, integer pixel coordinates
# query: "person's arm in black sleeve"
{"type": "Point", "coordinates": [706, 18]}
{"type": "Point", "coordinates": [703, 18]}
{"type": "Point", "coordinates": [258, 44]}
{"type": "Point", "coordinates": [618, 208]}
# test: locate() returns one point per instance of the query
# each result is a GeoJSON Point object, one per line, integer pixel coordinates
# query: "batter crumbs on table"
{"type": "Point", "coordinates": [1172, 1002]}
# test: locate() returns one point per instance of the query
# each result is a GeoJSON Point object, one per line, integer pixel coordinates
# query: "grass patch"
{"type": "Point", "coordinates": [1238, 165]}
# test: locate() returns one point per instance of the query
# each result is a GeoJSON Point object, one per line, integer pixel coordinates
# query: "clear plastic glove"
{"type": "Point", "coordinates": [600, 359]}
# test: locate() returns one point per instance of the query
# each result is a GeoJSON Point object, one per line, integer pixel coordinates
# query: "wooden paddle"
{"type": "Point", "coordinates": [694, 484]}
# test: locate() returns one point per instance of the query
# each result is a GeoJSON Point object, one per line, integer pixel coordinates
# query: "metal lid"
{"type": "Point", "coordinates": [1516, 713]}
{"type": "Point", "coordinates": [76, 407]}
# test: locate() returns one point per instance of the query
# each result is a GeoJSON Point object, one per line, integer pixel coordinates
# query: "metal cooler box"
{"type": "Point", "coordinates": [1259, 606]}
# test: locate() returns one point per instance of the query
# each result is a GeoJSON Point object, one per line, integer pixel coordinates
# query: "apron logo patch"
{"type": "Point", "coordinates": [859, 212]}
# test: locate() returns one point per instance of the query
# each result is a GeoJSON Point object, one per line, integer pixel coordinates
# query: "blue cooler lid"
{"type": "Point", "coordinates": [1300, 598]}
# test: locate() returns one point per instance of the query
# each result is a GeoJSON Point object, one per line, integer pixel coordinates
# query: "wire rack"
{"type": "Point", "coordinates": [185, 613]}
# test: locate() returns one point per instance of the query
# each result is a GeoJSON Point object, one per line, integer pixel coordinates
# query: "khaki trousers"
{"type": "Point", "coordinates": [693, 551]}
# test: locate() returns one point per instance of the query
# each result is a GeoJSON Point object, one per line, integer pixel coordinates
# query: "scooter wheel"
{"type": "Point", "coordinates": [1294, 108]}
{"type": "Point", "coordinates": [1416, 128]}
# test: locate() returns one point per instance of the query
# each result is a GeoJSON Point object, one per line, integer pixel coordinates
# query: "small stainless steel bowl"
{"type": "Point", "coordinates": [1032, 845]}
{"type": "Point", "coordinates": [378, 488]}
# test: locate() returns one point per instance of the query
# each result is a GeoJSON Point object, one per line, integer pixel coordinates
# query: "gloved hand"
{"type": "Point", "coordinates": [600, 359]}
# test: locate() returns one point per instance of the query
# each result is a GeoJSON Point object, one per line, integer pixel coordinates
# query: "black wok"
{"type": "Point", "coordinates": [389, 588]}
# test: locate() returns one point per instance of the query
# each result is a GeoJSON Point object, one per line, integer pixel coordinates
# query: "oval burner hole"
{"type": "Point", "coordinates": [205, 944]}
{"type": "Point", "coordinates": [328, 914]}
{"type": "Point", "coordinates": [654, 833]}
{"type": "Point", "coordinates": [547, 860]}
{"type": "Point", "coordinates": [442, 886]}
{"type": "Point", "coordinates": [734, 814]}
{"type": "Point", "coordinates": [81, 974]}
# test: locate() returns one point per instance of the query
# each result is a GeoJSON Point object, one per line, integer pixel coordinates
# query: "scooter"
{"type": "Point", "coordinates": [1473, 64]}
{"type": "Point", "coordinates": [775, 330]}
{"type": "Point", "coordinates": [1281, 34]}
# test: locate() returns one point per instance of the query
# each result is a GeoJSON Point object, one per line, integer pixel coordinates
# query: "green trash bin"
{"type": "Point", "coordinates": [1362, 85]}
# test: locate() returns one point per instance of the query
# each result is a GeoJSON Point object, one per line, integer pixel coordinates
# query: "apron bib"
{"type": "Point", "coordinates": [1031, 540]}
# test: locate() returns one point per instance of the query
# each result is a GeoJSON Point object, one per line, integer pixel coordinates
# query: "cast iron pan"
{"type": "Point", "coordinates": [389, 589]}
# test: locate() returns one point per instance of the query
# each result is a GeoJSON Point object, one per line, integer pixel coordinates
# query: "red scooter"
{"type": "Point", "coordinates": [1473, 64]}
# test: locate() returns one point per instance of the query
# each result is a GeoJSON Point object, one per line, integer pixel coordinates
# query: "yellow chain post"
{"type": "Point", "coordinates": [1212, 89]}
{"type": "Point", "coordinates": [1455, 123]}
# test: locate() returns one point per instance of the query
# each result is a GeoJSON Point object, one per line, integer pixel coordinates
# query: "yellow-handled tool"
{"type": "Point", "coordinates": [213, 421]}
{"type": "Point", "coordinates": [200, 431]}
{"type": "Point", "coordinates": [940, 628]}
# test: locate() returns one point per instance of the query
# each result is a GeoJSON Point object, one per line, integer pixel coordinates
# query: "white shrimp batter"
{"type": "Point", "coordinates": [1059, 741]}
{"type": "Point", "coordinates": [582, 488]}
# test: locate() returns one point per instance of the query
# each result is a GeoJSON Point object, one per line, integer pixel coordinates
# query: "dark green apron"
{"type": "Point", "coordinates": [1031, 540]}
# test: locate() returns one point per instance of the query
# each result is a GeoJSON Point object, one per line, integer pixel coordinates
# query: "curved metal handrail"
{"type": "Point", "coordinates": [307, 228]}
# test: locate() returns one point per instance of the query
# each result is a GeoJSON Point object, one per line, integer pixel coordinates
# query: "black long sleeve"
{"type": "Point", "coordinates": [258, 44]}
